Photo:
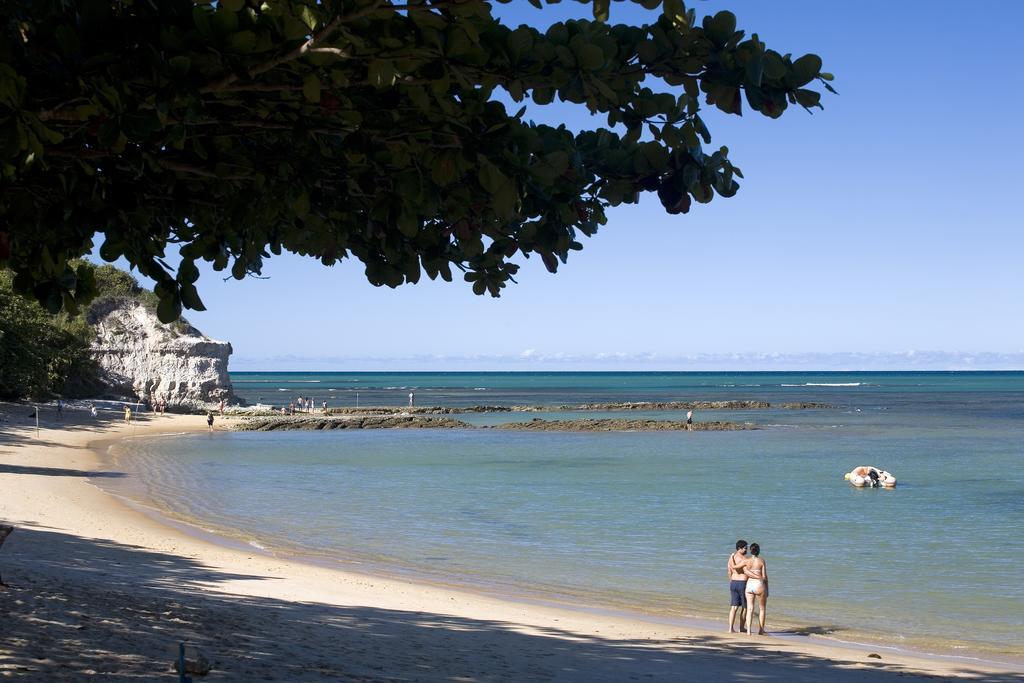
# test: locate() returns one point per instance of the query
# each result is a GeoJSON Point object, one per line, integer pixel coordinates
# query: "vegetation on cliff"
{"type": "Point", "coordinates": [44, 354]}
{"type": "Point", "coordinates": [40, 353]}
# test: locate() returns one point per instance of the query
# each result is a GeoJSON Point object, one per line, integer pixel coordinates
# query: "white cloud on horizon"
{"type": "Point", "coordinates": [532, 360]}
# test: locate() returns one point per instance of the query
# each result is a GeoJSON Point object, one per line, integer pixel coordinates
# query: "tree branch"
{"type": "Point", "coordinates": [324, 33]}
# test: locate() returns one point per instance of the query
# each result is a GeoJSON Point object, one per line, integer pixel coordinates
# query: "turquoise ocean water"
{"type": "Point", "coordinates": [645, 521]}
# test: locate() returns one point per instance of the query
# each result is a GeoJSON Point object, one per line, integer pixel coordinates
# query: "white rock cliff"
{"type": "Point", "coordinates": [142, 357]}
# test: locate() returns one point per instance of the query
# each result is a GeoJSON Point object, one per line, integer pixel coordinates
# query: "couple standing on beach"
{"type": "Point", "coordinates": [748, 581]}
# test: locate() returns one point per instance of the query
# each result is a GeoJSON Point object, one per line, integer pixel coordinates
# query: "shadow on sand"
{"type": "Point", "coordinates": [81, 608]}
{"type": "Point", "coordinates": [56, 471]}
{"type": "Point", "coordinates": [17, 423]}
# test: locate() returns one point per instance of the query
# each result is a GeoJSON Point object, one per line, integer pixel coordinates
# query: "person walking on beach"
{"type": "Point", "coordinates": [221, 407]}
{"type": "Point", "coordinates": [209, 419]}
{"type": "Point", "coordinates": [412, 398]}
{"type": "Point", "coordinates": [757, 587]}
{"type": "Point", "coordinates": [127, 414]}
{"type": "Point", "coordinates": [689, 419]}
{"type": "Point", "coordinates": [737, 584]}
{"type": "Point", "coordinates": [92, 409]}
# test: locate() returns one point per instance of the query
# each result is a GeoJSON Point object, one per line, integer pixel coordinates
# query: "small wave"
{"type": "Point", "coordinates": [824, 384]}
{"type": "Point", "coordinates": [280, 389]}
{"type": "Point", "coordinates": [479, 388]}
{"type": "Point", "coordinates": [258, 546]}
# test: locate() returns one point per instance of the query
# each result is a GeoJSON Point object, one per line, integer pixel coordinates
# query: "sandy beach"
{"type": "Point", "coordinates": [99, 591]}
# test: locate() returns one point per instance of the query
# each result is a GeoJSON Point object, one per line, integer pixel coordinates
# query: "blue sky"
{"type": "Point", "coordinates": [883, 225]}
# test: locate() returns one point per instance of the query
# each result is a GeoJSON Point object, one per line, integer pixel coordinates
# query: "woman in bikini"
{"type": "Point", "coordinates": [757, 586]}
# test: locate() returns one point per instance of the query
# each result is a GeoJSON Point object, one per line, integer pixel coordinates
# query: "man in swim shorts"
{"type": "Point", "coordinates": [737, 584]}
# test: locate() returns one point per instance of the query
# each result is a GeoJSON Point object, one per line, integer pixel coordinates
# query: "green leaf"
{"type": "Point", "coordinates": [243, 41]}
{"type": "Point", "coordinates": [808, 98]}
{"type": "Point", "coordinates": [408, 223]}
{"type": "Point", "coordinates": [504, 200]}
{"type": "Point", "coordinates": [180, 65]}
{"type": "Point", "coordinates": [442, 171]}
{"type": "Point", "coordinates": [311, 88]}
{"type": "Point", "coordinates": [755, 69]}
{"type": "Point", "coordinates": [491, 178]}
{"type": "Point", "coordinates": [301, 205]}
{"type": "Point", "coordinates": [590, 57]}
{"type": "Point", "coordinates": [381, 73]}
{"type": "Point", "coordinates": [187, 271]}
{"type": "Point", "coordinates": [601, 10]}
{"type": "Point", "coordinates": [308, 17]}
{"type": "Point", "coordinates": [720, 27]}
{"type": "Point", "coordinates": [647, 51]}
{"type": "Point", "coordinates": [168, 309]}
{"type": "Point", "coordinates": [804, 70]}
{"type": "Point", "coordinates": [224, 22]}
{"type": "Point", "coordinates": [190, 298]}
{"type": "Point", "coordinates": [675, 11]}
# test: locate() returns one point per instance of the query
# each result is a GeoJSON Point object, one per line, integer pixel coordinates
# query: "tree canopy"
{"type": "Point", "coordinates": [351, 128]}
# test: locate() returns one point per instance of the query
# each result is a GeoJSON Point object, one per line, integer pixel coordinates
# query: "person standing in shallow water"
{"type": "Point", "coordinates": [737, 584]}
{"type": "Point", "coordinates": [209, 419]}
{"type": "Point", "coordinates": [757, 588]}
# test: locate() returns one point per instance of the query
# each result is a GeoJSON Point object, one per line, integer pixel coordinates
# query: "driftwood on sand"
{"type": "Point", "coordinates": [5, 531]}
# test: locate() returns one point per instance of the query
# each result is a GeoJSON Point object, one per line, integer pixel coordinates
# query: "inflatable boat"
{"type": "Point", "coordinates": [872, 477]}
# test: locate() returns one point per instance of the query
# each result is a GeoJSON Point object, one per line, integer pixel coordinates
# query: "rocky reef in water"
{"type": "Point", "coordinates": [272, 423]}
{"type": "Point", "coordinates": [591, 407]}
{"type": "Point", "coordinates": [622, 425]}
{"type": "Point", "coordinates": [139, 356]}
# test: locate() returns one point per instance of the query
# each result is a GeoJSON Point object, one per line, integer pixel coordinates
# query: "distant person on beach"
{"type": "Point", "coordinates": [757, 587]}
{"type": "Point", "coordinates": [92, 409]}
{"type": "Point", "coordinates": [689, 418]}
{"type": "Point", "coordinates": [325, 407]}
{"type": "Point", "coordinates": [412, 398]}
{"type": "Point", "coordinates": [60, 409]}
{"type": "Point", "coordinates": [163, 406]}
{"type": "Point", "coordinates": [209, 419]}
{"type": "Point", "coordinates": [127, 414]}
{"type": "Point", "coordinates": [302, 403]}
{"type": "Point", "coordinates": [221, 407]}
{"type": "Point", "coordinates": [737, 584]}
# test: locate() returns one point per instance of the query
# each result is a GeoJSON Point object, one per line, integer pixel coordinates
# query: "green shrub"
{"type": "Point", "coordinates": [41, 354]}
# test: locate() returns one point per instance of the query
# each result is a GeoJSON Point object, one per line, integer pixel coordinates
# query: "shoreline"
{"type": "Point", "coordinates": [92, 513]}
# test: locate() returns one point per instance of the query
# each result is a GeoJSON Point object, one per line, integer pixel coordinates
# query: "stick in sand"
{"type": "Point", "coordinates": [5, 531]}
